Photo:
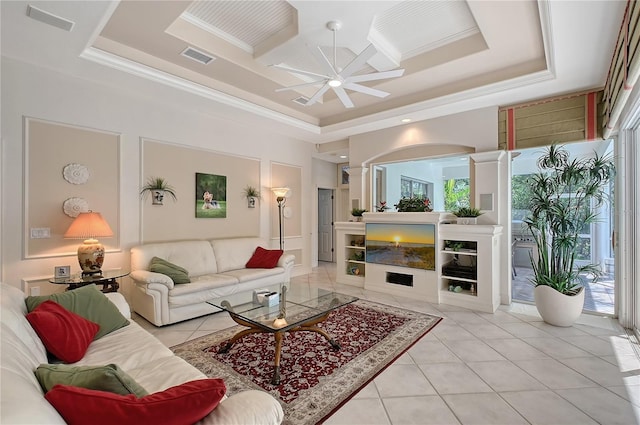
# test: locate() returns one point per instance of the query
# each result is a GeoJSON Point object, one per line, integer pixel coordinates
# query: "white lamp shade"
{"type": "Point", "coordinates": [280, 192]}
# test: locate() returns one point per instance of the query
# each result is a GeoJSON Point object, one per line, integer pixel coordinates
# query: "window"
{"type": "Point", "coordinates": [410, 188]}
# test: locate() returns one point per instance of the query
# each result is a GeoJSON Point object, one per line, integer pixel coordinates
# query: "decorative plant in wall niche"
{"type": "Point", "coordinates": [252, 194]}
{"type": "Point", "coordinates": [467, 215]}
{"type": "Point", "coordinates": [357, 213]}
{"type": "Point", "coordinates": [157, 187]}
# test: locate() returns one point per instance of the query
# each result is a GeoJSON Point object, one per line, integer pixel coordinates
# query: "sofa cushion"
{"type": "Point", "coordinates": [264, 258]}
{"type": "Point", "coordinates": [195, 256]}
{"type": "Point", "coordinates": [233, 254]}
{"type": "Point", "coordinates": [89, 303]}
{"type": "Point", "coordinates": [65, 334]}
{"type": "Point", "coordinates": [176, 273]}
{"type": "Point", "coordinates": [108, 378]}
{"type": "Point", "coordinates": [183, 404]}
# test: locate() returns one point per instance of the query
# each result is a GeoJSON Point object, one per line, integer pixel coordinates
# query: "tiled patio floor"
{"type": "Point", "coordinates": [599, 296]}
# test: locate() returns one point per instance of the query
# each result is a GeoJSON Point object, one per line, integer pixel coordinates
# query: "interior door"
{"type": "Point", "coordinates": [325, 225]}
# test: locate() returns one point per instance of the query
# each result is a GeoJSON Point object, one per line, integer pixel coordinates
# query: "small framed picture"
{"type": "Point", "coordinates": [62, 272]}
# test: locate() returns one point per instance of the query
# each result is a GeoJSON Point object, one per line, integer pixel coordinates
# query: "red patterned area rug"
{"type": "Point", "coordinates": [315, 380]}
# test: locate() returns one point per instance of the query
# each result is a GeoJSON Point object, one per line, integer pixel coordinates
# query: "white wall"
{"type": "Point", "coordinates": [170, 116]}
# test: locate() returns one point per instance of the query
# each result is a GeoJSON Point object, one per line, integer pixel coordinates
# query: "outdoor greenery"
{"type": "Point", "coordinates": [456, 194]}
{"type": "Point", "coordinates": [561, 197]}
{"type": "Point", "coordinates": [157, 183]}
{"type": "Point", "coordinates": [414, 204]}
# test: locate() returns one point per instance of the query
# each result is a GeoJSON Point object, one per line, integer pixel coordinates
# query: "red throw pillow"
{"type": "Point", "coordinates": [180, 405]}
{"type": "Point", "coordinates": [264, 258]}
{"type": "Point", "coordinates": [64, 334]}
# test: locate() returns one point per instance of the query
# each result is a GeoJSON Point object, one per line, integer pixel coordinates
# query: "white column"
{"type": "Point", "coordinates": [492, 195]}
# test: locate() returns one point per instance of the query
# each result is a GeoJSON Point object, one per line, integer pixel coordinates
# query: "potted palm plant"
{"type": "Point", "coordinates": [158, 187]}
{"type": "Point", "coordinates": [563, 194]}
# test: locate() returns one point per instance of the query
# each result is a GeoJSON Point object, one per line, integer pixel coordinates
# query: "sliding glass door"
{"type": "Point", "coordinates": [595, 245]}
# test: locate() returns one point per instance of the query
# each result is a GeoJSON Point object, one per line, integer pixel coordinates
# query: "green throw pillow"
{"type": "Point", "coordinates": [89, 303]}
{"type": "Point", "coordinates": [101, 378]}
{"type": "Point", "coordinates": [176, 273]}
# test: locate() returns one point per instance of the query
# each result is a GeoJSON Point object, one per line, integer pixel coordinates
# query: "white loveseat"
{"type": "Point", "coordinates": [137, 352]}
{"type": "Point", "coordinates": [216, 268]}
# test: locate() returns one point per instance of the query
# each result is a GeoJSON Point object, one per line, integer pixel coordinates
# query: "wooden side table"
{"type": "Point", "coordinates": [108, 280]}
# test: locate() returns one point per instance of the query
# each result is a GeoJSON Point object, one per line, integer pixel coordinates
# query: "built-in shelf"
{"type": "Point", "coordinates": [467, 261]}
{"type": "Point", "coordinates": [351, 253]}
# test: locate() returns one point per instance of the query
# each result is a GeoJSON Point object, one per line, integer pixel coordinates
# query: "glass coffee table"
{"type": "Point", "coordinates": [278, 309]}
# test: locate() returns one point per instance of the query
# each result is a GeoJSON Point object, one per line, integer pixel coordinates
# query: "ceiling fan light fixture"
{"type": "Point", "coordinates": [339, 79]}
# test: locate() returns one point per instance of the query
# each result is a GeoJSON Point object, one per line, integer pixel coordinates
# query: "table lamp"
{"type": "Point", "coordinates": [89, 226]}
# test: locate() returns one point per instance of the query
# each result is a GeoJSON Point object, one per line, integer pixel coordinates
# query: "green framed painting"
{"type": "Point", "coordinates": [211, 196]}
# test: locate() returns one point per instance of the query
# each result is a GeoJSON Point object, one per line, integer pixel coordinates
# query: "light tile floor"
{"type": "Point", "coordinates": [479, 368]}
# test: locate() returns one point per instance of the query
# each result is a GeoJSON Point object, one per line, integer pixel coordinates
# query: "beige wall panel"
{"type": "Point", "coordinates": [179, 165]}
{"type": "Point", "coordinates": [49, 148]}
{"type": "Point", "coordinates": [283, 175]}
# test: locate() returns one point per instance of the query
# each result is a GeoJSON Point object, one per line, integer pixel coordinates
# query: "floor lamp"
{"type": "Point", "coordinates": [281, 193]}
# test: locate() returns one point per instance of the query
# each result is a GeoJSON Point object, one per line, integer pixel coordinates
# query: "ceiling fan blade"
{"type": "Point", "coordinates": [313, 83]}
{"type": "Point", "coordinates": [344, 98]}
{"type": "Point", "coordinates": [366, 90]}
{"type": "Point", "coordinates": [324, 61]}
{"type": "Point", "coordinates": [376, 76]}
{"type": "Point", "coordinates": [359, 61]}
{"type": "Point", "coordinates": [318, 95]}
{"type": "Point", "coordinates": [301, 72]}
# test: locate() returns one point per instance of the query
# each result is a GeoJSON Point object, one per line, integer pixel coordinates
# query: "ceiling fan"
{"type": "Point", "coordinates": [341, 79]}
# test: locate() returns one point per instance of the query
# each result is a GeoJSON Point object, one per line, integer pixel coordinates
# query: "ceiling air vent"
{"type": "Point", "coordinates": [197, 55]}
{"type": "Point", "coordinates": [302, 100]}
{"type": "Point", "coordinates": [49, 18]}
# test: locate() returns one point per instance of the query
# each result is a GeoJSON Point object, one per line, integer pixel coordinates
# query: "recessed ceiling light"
{"type": "Point", "coordinates": [343, 156]}
{"type": "Point", "coordinates": [406, 120]}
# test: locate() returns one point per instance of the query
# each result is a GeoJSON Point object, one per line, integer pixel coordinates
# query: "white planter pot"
{"type": "Point", "coordinates": [467, 220]}
{"type": "Point", "coordinates": [556, 308]}
{"type": "Point", "coordinates": [157, 197]}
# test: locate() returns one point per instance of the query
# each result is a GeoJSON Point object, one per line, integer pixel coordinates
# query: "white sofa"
{"type": "Point", "coordinates": [216, 268]}
{"type": "Point", "coordinates": [137, 352]}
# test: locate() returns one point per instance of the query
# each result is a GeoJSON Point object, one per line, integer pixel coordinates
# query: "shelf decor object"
{"type": "Point", "coordinates": [158, 187]}
{"type": "Point", "coordinates": [89, 226]}
{"type": "Point", "coordinates": [76, 173]}
{"type": "Point", "coordinates": [281, 193]}
{"type": "Point", "coordinates": [74, 206]}
{"type": "Point", "coordinates": [252, 195]}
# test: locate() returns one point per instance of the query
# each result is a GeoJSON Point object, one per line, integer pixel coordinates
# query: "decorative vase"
{"type": "Point", "coordinates": [557, 308]}
{"type": "Point", "coordinates": [251, 201]}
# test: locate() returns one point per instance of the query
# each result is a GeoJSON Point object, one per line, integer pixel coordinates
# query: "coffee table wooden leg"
{"type": "Point", "coordinates": [276, 370]}
{"type": "Point", "coordinates": [309, 327]}
{"type": "Point", "coordinates": [236, 337]}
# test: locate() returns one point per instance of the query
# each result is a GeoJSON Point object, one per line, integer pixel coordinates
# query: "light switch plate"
{"type": "Point", "coordinates": [40, 233]}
